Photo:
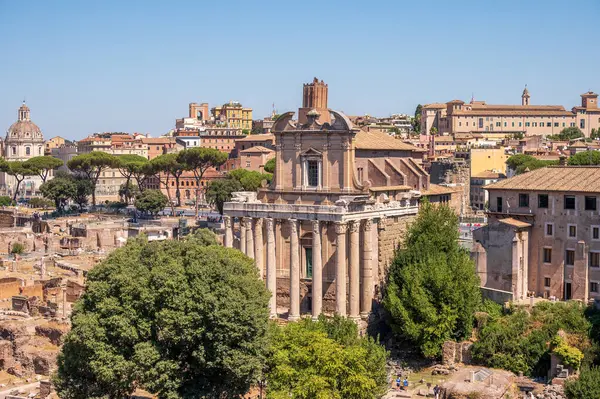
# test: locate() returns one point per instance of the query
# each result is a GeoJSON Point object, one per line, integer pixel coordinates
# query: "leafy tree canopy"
{"type": "Point", "coordinates": [585, 158]}
{"type": "Point", "coordinates": [42, 165]}
{"type": "Point", "coordinates": [176, 318]}
{"type": "Point", "coordinates": [250, 180]}
{"type": "Point", "coordinates": [19, 171]}
{"type": "Point", "coordinates": [522, 163]}
{"type": "Point", "coordinates": [586, 386]}
{"type": "Point", "coordinates": [200, 159]}
{"type": "Point", "coordinates": [270, 166]}
{"type": "Point", "coordinates": [91, 165]}
{"type": "Point", "coordinates": [59, 190]}
{"type": "Point", "coordinates": [433, 291]}
{"type": "Point", "coordinates": [219, 191]}
{"type": "Point", "coordinates": [324, 359]}
{"type": "Point", "coordinates": [570, 133]}
{"type": "Point", "coordinates": [151, 201]}
{"type": "Point", "coordinates": [520, 341]}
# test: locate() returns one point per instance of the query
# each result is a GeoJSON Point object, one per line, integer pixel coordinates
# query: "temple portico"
{"type": "Point", "coordinates": [324, 230]}
{"type": "Point", "coordinates": [328, 250]}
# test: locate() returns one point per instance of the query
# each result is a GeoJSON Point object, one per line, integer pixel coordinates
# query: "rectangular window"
{"type": "Point", "coordinates": [593, 287]}
{"type": "Point", "coordinates": [543, 201]}
{"type": "Point", "coordinates": [569, 202]}
{"type": "Point", "coordinates": [547, 255]}
{"type": "Point", "coordinates": [513, 124]}
{"type": "Point", "coordinates": [309, 267]}
{"type": "Point", "coordinates": [594, 259]}
{"type": "Point", "coordinates": [481, 123]}
{"type": "Point", "coordinates": [526, 124]}
{"type": "Point", "coordinates": [570, 257]}
{"type": "Point", "coordinates": [572, 230]}
{"type": "Point", "coordinates": [520, 124]}
{"type": "Point", "coordinates": [313, 173]}
{"type": "Point", "coordinates": [549, 229]}
{"type": "Point", "coordinates": [564, 124]}
{"type": "Point", "coordinates": [582, 123]}
{"type": "Point", "coordinates": [546, 281]}
{"type": "Point", "coordinates": [595, 232]}
{"type": "Point", "coordinates": [524, 200]}
{"type": "Point", "coordinates": [498, 204]}
{"type": "Point", "coordinates": [498, 124]}
{"type": "Point", "coordinates": [590, 203]}
{"type": "Point", "coordinates": [505, 124]}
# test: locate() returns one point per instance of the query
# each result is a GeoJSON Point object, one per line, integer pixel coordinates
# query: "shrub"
{"type": "Point", "coordinates": [587, 386]}
{"type": "Point", "coordinates": [6, 201]}
{"type": "Point", "coordinates": [41, 203]}
{"type": "Point", "coordinates": [17, 248]}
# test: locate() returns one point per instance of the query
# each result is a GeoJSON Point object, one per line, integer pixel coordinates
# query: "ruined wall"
{"type": "Point", "coordinates": [9, 287]}
{"type": "Point", "coordinates": [391, 234]}
{"type": "Point", "coordinates": [37, 289]}
{"type": "Point", "coordinates": [495, 269]}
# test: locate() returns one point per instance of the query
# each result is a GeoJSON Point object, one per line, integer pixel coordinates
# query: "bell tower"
{"type": "Point", "coordinates": [314, 97]}
{"type": "Point", "coordinates": [525, 96]}
{"type": "Point", "coordinates": [24, 113]}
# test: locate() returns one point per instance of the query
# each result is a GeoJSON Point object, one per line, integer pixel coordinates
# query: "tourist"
{"type": "Point", "coordinates": [398, 382]}
{"type": "Point", "coordinates": [405, 383]}
{"type": "Point", "coordinates": [436, 391]}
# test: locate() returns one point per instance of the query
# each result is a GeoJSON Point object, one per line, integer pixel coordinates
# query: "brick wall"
{"type": "Point", "coordinates": [9, 287]}
{"type": "Point", "coordinates": [391, 233]}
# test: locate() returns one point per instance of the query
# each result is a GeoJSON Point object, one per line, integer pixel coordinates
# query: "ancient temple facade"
{"type": "Point", "coordinates": [322, 234]}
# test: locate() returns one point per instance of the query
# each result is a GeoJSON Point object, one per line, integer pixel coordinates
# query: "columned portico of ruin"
{"type": "Point", "coordinates": [344, 241]}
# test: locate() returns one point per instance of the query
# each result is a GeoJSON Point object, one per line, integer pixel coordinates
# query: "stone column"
{"type": "Point", "coordinates": [294, 313]}
{"type": "Point", "coordinates": [243, 235]}
{"type": "Point", "coordinates": [340, 268]}
{"type": "Point", "coordinates": [317, 283]}
{"type": "Point", "coordinates": [249, 239]}
{"type": "Point", "coordinates": [271, 267]}
{"type": "Point", "coordinates": [367, 270]}
{"type": "Point", "coordinates": [354, 270]}
{"type": "Point", "coordinates": [258, 246]}
{"type": "Point", "coordinates": [228, 232]}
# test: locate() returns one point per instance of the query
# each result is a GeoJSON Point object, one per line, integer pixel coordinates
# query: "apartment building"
{"type": "Point", "coordinates": [543, 236]}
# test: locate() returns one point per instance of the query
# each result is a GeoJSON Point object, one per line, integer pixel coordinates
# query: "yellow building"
{"type": "Point", "coordinates": [488, 159]}
{"type": "Point", "coordinates": [54, 142]}
{"type": "Point", "coordinates": [233, 115]}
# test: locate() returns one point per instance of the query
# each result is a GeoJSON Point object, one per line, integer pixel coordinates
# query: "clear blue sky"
{"type": "Point", "coordinates": [87, 66]}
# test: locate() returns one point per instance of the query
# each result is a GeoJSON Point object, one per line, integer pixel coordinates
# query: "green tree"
{"type": "Point", "coordinates": [59, 190]}
{"type": "Point", "coordinates": [522, 163]}
{"type": "Point", "coordinates": [19, 171]}
{"type": "Point", "coordinates": [151, 201]}
{"type": "Point", "coordinates": [199, 160]}
{"type": "Point", "coordinates": [587, 386]}
{"type": "Point", "coordinates": [176, 318]}
{"type": "Point", "coordinates": [250, 180]}
{"type": "Point", "coordinates": [595, 135]}
{"type": "Point", "coordinates": [42, 165]}
{"type": "Point", "coordinates": [165, 167]}
{"type": "Point", "coordinates": [324, 359]}
{"type": "Point", "coordinates": [5, 200]}
{"type": "Point", "coordinates": [416, 120]}
{"type": "Point", "coordinates": [131, 165]}
{"type": "Point", "coordinates": [219, 191]}
{"type": "Point", "coordinates": [270, 166]}
{"type": "Point", "coordinates": [585, 158]}
{"type": "Point", "coordinates": [570, 133]}
{"type": "Point", "coordinates": [83, 189]}
{"type": "Point", "coordinates": [433, 290]}
{"type": "Point", "coordinates": [91, 165]}
{"type": "Point", "coordinates": [128, 192]}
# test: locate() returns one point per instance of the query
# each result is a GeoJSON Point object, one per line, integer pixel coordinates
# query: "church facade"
{"type": "Point", "coordinates": [24, 140]}
{"type": "Point", "coordinates": [323, 233]}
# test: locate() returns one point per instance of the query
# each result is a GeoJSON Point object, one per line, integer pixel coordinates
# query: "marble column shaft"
{"type": "Point", "coordinates": [317, 281]}
{"type": "Point", "coordinates": [258, 247]}
{"type": "Point", "coordinates": [340, 268]}
{"type": "Point", "coordinates": [243, 222]}
{"type": "Point", "coordinates": [367, 269]}
{"type": "Point", "coordinates": [271, 267]}
{"type": "Point", "coordinates": [228, 232]}
{"type": "Point", "coordinates": [249, 239]}
{"type": "Point", "coordinates": [294, 313]}
{"type": "Point", "coordinates": [354, 270]}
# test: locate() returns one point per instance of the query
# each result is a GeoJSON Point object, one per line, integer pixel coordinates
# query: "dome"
{"type": "Point", "coordinates": [24, 128]}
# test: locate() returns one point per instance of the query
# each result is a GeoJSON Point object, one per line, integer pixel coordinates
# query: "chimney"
{"type": "Point", "coordinates": [562, 161]}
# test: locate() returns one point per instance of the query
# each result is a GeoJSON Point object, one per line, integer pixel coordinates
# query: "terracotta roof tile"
{"type": "Point", "coordinates": [258, 137]}
{"type": "Point", "coordinates": [585, 179]}
{"type": "Point", "coordinates": [514, 222]}
{"type": "Point", "coordinates": [380, 141]}
{"type": "Point", "coordinates": [436, 189]}
{"type": "Point", "coordinates": [257, 148]}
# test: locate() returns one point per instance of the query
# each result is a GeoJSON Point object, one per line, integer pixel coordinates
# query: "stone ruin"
{"type": "Point", "coordinates": [456, 352]}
